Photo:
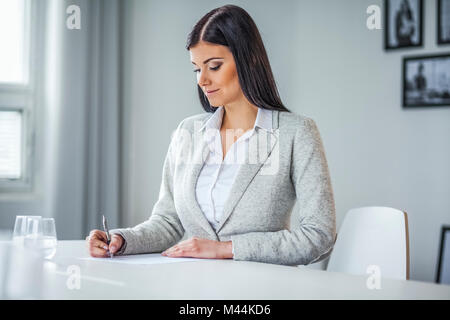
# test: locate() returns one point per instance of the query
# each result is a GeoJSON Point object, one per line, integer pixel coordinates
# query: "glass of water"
{"type": "Point", "coordinates": [41, 236]}
{"type": "Point", "coordinates": [20, 228]}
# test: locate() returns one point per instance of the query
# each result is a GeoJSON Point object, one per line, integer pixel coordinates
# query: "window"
{"type": "Point", "coordinates": [16, 95]}
{"type": "Point", "coordinates": [10, 142]}
{"type": "Point", "coordinates": [12, 32]}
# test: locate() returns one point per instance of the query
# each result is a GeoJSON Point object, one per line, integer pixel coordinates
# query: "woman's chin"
{"type": "Point", "coordinates": [214, 103]}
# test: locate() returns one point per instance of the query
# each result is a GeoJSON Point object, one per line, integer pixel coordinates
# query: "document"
{"type": "Point", "coordinates": [148, 258]}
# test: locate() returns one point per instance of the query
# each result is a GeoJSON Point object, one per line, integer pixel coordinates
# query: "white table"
{"type": "Point", "coordinates": [215, 279]}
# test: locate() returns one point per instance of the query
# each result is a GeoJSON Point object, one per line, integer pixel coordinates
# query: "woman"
{"type": "Point", "coordinates": [224, 207]}
{"type": "Point", "coordinates": [405, 24]}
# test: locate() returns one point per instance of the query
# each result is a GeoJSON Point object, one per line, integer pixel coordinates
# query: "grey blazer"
{"type": "Point", "coordinates": [285, 174]}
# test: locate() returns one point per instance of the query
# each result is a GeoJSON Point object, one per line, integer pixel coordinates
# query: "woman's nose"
{"type": "Point", "coordinates": [203, 79]}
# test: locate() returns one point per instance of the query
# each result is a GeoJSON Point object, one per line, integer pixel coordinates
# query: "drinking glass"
{"type": "Point", "coordinates": [41, 236]}
{"type": "Point", "coordinates": [20, 228]}
{"type": "Point", "coordinates": [5, 249]}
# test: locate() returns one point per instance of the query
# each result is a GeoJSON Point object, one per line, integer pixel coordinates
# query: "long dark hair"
{"type": "Point", "coordinates": [233, 27]}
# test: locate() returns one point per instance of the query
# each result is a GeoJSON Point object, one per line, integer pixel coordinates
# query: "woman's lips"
{"type": "Point", "coordinates": [211, 92]}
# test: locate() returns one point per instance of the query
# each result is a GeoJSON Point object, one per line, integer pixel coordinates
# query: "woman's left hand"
{"type": "Point", "coordinates": [200, 248]}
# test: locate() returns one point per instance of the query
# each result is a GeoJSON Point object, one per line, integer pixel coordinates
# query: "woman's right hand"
{"type": "Point", "coordinates": [96, 243]}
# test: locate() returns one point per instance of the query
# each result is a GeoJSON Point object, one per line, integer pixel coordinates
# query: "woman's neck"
{"type": "Point", "coordinates": [242, 116]}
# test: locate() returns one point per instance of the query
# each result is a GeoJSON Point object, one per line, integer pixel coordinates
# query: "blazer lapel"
{"type": "Point", "coordinates": [247, 171]}
{"type": "Point", "coordinates": [193, 168]}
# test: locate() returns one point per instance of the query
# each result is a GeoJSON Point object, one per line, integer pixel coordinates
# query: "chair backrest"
{"type": "Point", "coordinates": [443, 271]}
{"type": "Point", "coordinates": [372, 236]}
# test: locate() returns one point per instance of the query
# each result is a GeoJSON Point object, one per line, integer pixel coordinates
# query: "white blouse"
{"type": "Point", "coordinates": [217, 175]}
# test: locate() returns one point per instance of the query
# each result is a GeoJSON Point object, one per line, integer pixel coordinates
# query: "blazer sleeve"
{"type": "Point", "coordinates": [163, 229]}
{"type": "Point", "coordinates": [313, 226]}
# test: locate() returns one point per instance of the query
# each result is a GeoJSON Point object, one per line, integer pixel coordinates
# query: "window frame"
{"type": "Point", "coordinates": [22, 97]}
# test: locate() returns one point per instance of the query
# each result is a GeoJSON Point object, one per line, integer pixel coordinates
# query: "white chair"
{"type": "Point", "coordinates": [372, 236]}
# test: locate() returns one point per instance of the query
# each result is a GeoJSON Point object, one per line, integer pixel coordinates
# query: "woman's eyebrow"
{"type": "Point", "coordinates": [207, 60]}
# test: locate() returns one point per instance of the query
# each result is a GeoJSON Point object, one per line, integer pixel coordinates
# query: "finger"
{"type": "Point", "coordinates": [95, 231]}
{"type": "Point", "coordinates": [184, 246]}
{"type": "Point", "coordinates": [115, 244]}
{"type": "Point", "coordinates": [98, 234]}
{"type": "Point", "coordinates": [177, 252]}
{"type": "Point", "coordinates": [171, 249]}
{"type": "Point", "coordinates": [183, 249]}
{"type": "Point", "coordinates": [94, 243]}
{"type": "Point", "coordinates": [182, 253]}
{"type": "Point", "coordinates": [98, 252]}
{"type": "Point", "coordinates": [95, 237]}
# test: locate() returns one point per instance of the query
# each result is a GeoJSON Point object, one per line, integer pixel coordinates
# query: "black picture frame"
{"type": "Point", "coordinates": [429, 87]}
{"type": "Point", "coordinates": [392, 14]}
{"type": "Point", "coordinates": [445, 232]}
{"type": "Point", "coordinates": [443, 9]}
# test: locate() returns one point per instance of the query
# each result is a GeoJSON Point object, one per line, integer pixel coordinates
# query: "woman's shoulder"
{"type": "Point", "coordinates": [293, 121]}
{"type": "Point", "coordinates": [194, 121]}
{"type": "Point", "coordinates": [300, 129]}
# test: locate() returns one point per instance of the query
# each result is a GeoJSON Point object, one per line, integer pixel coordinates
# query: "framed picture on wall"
{"type": "Point", "coordinates": [403, 24]}
{"type": "Point", "coordinates": [426, 81]}
{"type": "Point", "coordinates": [443, 271]}
{"type": "Point", "coordinates": [443, 21]}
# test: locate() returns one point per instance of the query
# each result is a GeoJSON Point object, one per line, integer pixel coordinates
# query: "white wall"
{"type": "Point", "coordinates": [328, 66]}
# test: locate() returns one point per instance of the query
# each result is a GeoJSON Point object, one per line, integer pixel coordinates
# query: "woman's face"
{"type": "Point", "coordinates": [216, 73]}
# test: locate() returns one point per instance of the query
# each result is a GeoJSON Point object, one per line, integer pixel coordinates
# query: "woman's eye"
{"type": "Point", "coordinates": [212, 68]}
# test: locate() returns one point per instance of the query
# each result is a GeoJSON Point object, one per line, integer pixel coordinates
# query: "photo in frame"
{"type": "Point", "coordinates": [443, 21]}
{"type": "Point", "coordinates": [403, 24]}
{"type": "Point", "coordinates": [426, 80]}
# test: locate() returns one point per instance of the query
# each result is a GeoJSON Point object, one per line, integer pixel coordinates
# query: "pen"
{"type": "Point", "coordinates": [108, 238]}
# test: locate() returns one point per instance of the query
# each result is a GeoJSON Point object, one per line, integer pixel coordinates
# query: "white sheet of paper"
{"type": "Point", "coordinates": [148, 258]}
